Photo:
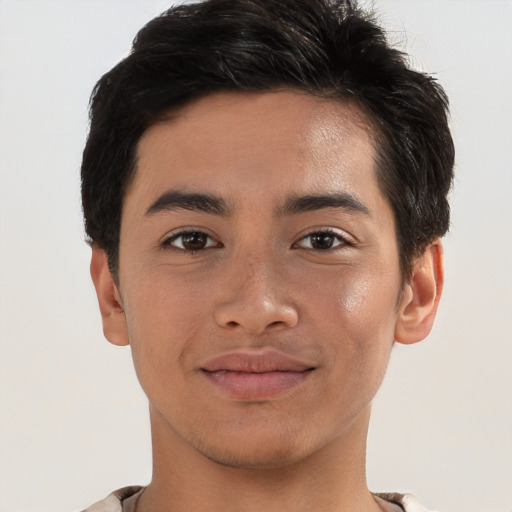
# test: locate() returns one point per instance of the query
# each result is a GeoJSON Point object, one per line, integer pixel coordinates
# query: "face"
{"type": "Point", "coordinates": [259, 275]}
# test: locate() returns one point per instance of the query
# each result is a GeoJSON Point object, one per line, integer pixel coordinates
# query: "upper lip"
{"type": "Point", "coordinates": [256, 362]}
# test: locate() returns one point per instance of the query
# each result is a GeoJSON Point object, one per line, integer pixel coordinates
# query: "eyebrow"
{"type": "Point", "coordinates": [179, 200]}
{"type": "Point", "coordinates": [311, 202]}
{"type": "Point", "coordinates": [207, 203]}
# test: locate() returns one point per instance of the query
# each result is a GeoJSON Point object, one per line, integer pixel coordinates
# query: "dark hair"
{"type": "Point", "coordinates": [323, 47]}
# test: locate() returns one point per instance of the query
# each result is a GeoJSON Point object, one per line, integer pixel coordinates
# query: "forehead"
{"type": "Point", "coordinates": [266, 143]}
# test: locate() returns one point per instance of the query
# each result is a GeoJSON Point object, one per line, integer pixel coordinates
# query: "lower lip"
{"type": "Point", "coordinates": [256, 386]}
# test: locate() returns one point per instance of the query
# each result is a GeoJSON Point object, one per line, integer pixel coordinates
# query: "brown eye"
{"type": "Point", "coordinates": [194, 241]}
{"type": "Point", "coordinates": [322, 241]}
{"type": "Point", "coordinates": [190, 241]}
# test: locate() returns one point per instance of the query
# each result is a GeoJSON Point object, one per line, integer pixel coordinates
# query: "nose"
{"type": "Point", "coordinates": [255, 298]}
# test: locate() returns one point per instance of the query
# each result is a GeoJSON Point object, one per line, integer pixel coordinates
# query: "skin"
{"type": "Point", "coordinates": [322, 286]}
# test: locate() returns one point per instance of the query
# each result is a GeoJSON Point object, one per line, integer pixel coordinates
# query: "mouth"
{"type": "Point", "coordinates": [256, 376]}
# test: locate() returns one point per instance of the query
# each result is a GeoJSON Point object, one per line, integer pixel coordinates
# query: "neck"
{"type": "Point", "coordinates": [329, 480]}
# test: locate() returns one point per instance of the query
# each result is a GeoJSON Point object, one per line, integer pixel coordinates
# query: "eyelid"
{"type": "Point", "coordinates": [167, 241]}
{"type": "Point", "coordinates": [343, 236]}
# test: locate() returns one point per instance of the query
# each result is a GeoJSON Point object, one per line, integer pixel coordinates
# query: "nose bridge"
{"type": "Point", "coordinates": [255, 279]}
{"type": "Point", "coordinates": [255, 296]}
{"type": "Point", "coordinates": [255, 272]}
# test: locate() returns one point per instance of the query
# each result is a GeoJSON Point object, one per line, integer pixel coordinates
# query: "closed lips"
{"type": "Point", "coordinates": [256, 377]}
{"type": "Point", "coordinates": [265, 362]}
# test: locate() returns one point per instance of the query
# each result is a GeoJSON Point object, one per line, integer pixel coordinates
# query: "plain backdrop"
{"type": "Point", "coordinates": [74, 423]}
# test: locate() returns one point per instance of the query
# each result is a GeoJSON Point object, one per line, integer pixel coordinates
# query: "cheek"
{"type": "Point", "coordinates": [354, 298]}
{"type": "Point", "coordinates": [164, 316]}
{"type": "Point", "coordinates": [157, 299]}
{"type": "Point", "coordinates": [355, 312]}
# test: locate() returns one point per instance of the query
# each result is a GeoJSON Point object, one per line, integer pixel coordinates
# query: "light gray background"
{"type": "Point", "coordinates": [73, 421]}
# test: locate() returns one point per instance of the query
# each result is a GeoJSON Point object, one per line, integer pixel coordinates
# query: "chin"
{"type": "Point", "coordinates": [253, 460]}
{"type": "Point", "coordinates": [257, 450]}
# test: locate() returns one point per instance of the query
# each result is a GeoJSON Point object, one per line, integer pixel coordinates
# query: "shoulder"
{"type": "Point", "coordinates": [407, 501]}
{"type": "Point", "coordinates": [114, 501]}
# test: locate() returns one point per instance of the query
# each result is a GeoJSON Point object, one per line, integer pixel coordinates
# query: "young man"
{"type": "Point", "coordinates": [264, 186]}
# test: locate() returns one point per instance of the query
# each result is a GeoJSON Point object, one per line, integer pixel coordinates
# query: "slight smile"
{"type": "Point", "coordinates": [256, 376]}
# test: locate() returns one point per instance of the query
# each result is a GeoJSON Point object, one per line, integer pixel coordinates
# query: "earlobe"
{"type": "Point", "coordinates": [421, 295]}
{"type": "Point", "coordinates": [109, 299]}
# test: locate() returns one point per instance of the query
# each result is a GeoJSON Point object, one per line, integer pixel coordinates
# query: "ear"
{"type": "Point", "coordinates": [109, 298]}
{"type": "Point", "coordinates": [420, 297]}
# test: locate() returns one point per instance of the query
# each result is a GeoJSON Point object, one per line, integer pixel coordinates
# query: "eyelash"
{"type": "Point", "coordinates": [344, 241]}
{"type": "Point", "coordinates": [167, 243]}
